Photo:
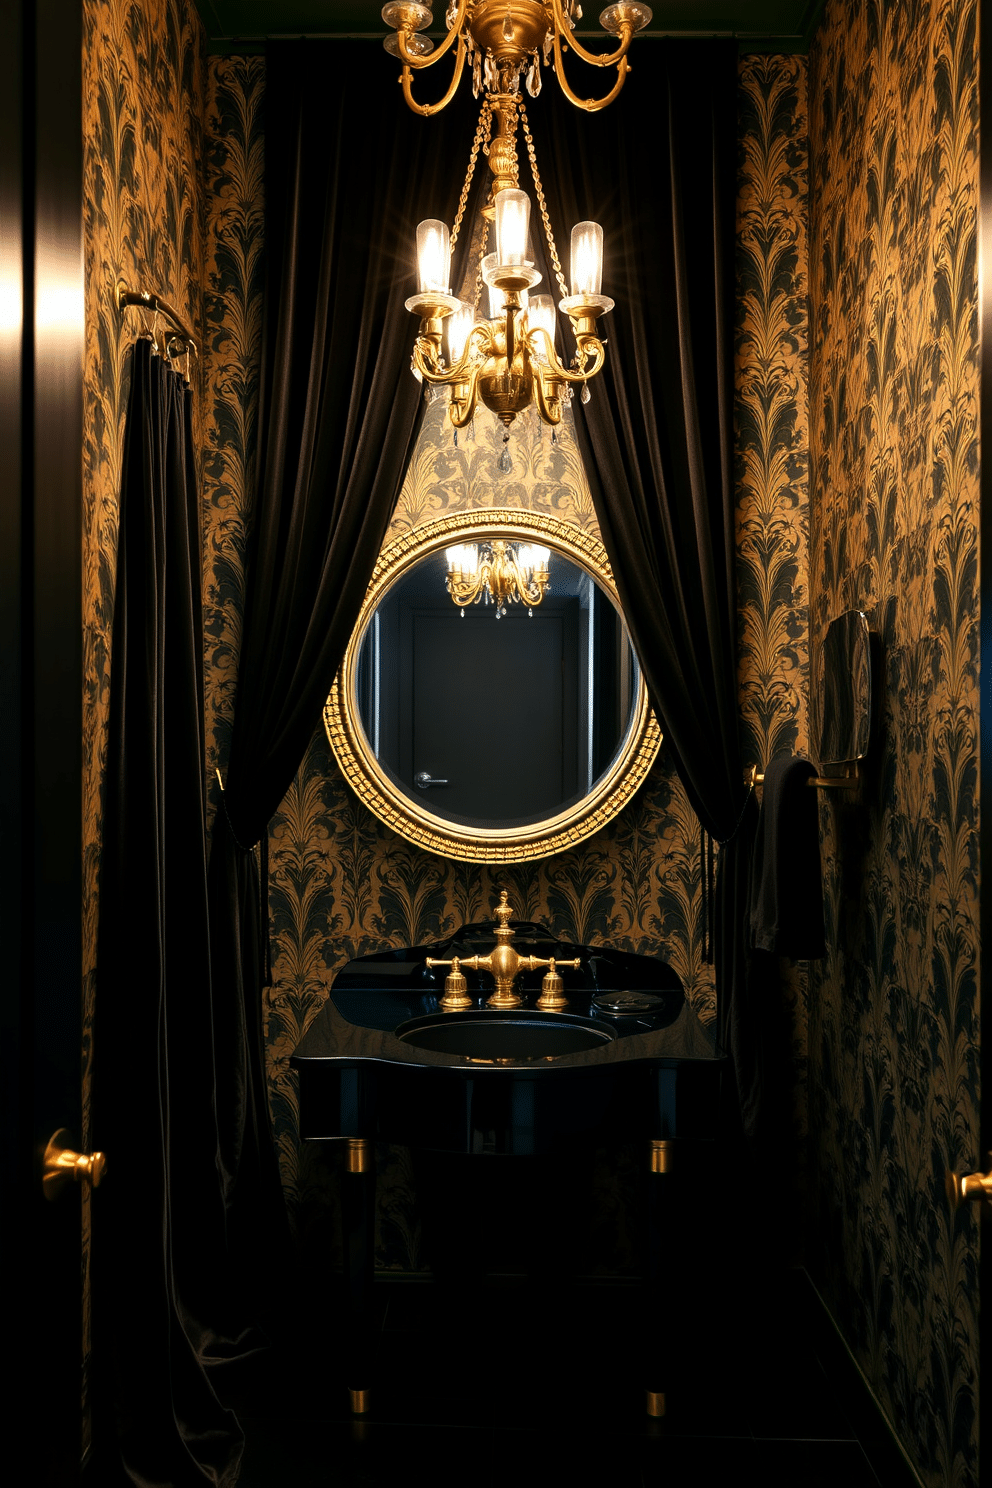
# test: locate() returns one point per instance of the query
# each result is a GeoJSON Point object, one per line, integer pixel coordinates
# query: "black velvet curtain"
{"type": "Point", "coordinates": [658, 170]}
{"type": "Point", "coordinates": [158, 1295]}
{"type": "Point", "coordinates": [349, 173]}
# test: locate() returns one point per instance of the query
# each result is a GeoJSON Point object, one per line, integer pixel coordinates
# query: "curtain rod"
{"type": "Point", "coordinates": [149, 300]}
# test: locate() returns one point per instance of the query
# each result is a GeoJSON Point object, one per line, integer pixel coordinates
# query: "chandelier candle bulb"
{"type": "Point", "coordinates": [459, 327]}
{"type": "Point", "coordinates": [587, 258]}
{"type": "Point", "coordinates": [541, 316]}
{"type": "Point", "coordinates": [512, 226]}
{"type": "Point", "coordinates": [433, 256]}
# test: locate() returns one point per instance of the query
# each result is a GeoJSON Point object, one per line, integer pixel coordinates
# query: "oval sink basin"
{"type": "Point", "coordinates": [504, 1037]}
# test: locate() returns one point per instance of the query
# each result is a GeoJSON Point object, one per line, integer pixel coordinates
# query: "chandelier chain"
{"type": "Point", "coordinates": [482, 134]}
{"type": "Point", "coordinates": [482, 253]}
{"type": "Point", "coordinates": [539, 190]}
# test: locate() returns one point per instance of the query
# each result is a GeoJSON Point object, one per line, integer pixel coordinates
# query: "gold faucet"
{"type": "Point", "coordinates": [505, 965]}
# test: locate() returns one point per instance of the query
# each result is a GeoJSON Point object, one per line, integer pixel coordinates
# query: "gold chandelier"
{"type": "Point", "coordinates": [508, 359]}
{"type": "Point", "coordinates": [497, 572]}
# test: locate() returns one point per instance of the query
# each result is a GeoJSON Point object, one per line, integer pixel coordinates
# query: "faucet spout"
{"type": "Point", "coordinates": [504, 962]}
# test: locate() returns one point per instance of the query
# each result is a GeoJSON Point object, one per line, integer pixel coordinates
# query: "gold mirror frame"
{"type": "Point", "coordinates": [376, 791]}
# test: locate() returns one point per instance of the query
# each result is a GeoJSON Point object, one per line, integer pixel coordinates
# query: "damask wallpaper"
{"type": "Point", "coordinates": [893, 1084]}
{"type": "Point", "coordinates": [863, 494]}
{"type": "Point", "coordinates": [772, 459]}
{"type": "Point", "coordinates": [143, 88]}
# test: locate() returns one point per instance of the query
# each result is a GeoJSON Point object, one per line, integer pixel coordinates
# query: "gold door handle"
{"type": "Point", "coordinates": [62, 1165]}
{"type": "Point", "coordinates": [961, 1188]}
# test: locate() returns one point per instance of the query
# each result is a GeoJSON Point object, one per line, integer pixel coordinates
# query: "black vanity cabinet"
{"type": "Point", "coordinates": [381, 1063]}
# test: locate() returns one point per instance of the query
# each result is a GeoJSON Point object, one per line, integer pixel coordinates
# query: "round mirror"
{"type": "Point", "coordinates": [490, 705]}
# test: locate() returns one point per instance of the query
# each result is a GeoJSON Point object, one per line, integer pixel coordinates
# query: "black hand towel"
{"type": "Point", "coordinates": [786, 884]}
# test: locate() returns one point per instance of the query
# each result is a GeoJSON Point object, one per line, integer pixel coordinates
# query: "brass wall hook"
{"type": "Point", "coordinates": [61, 1165]}
{"type": "Point", "coordinates": [962, 1188]}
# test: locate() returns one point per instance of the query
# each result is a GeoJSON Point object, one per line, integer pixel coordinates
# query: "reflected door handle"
{"type": "Point", "coordinates": [62, 1166]}
{"type": "Point", "coordinates": [423, 780]}
{"type": "Point", "coordinates": [961, 1188]}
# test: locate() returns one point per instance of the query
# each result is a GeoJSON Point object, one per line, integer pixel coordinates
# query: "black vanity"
{"type": "Point", "coordinates": [626, 1058]}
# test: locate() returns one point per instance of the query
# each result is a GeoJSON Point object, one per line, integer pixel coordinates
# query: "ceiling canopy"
{"type": "Point", "coordinates": [760, 25]}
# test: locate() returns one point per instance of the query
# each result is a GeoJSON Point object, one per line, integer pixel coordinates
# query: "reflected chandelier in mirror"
{"type": "Point", "coordinates": [492, 742]}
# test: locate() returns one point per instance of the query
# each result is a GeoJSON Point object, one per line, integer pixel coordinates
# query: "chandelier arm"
{"type": "Point", "coordinates": [525, 590]}
{"type": "Point", "coordinates": [465, 410]}
{"type": "Point", "coordinates": [416, 62]}
{"type": "Point", "coordinates": [549, 406]}
{"type": "Point", "coordinates": [591, 105]}
{"type": "Point", "coordinates": [480, 333]}
{"type": "Point", "coordinates": [596, 59]}
{"type": "Point", "coordinates": [587, 346]}
{"type": "Point", "coordinates": [467, 592]}
{"type": "Point", "coordinates": [427, 109]}
{"type": "Point", "coordinates": [425, 361]}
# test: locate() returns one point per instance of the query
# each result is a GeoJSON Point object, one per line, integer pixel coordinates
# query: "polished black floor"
{"type": "Point", "coordinates": [513, 1382]}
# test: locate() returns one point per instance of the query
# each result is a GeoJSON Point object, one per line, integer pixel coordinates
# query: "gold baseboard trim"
{"type": "Point", "coordinates": [655, 1402]}
{"type": "Point", "coordinates": [361, 1402]}
{"type": "Point", "coordinates": [662, 1158]}
{"type": "Point", "coordinates": [359, 1155]}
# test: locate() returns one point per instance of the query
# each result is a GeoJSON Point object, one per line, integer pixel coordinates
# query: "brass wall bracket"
{"type": "Point", "coordinates": [848, 781]}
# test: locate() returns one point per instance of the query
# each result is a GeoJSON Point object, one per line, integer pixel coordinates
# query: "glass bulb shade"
{"type": "Point", "coordinates": [417, 44]}
{"type": "Point", "coordinates": [541, 314]}
{"type": "Point", "coordinates": [512, 225]}
{"type": "Point", "coordinates": [587, 258]}
{"type": "Point", "coordinates": [433, 256]}
{"type": "Point", "coordinates": [463, 559]}
{"type": "Point", "coordinates": [458, 327]}
{"type": "Point", "coordinates": [532, 558]}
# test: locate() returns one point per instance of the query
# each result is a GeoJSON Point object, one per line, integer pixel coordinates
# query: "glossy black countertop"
{"type": "Point", "coordinates": [655, 1073]}
{"type": "Point", "coordinates": [359, 1025]}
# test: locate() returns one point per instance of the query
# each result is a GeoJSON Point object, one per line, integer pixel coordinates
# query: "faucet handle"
{"type": "Point", "coordinates": [456, 997]}
{"type": "Point", "coordinates": [552, 998]}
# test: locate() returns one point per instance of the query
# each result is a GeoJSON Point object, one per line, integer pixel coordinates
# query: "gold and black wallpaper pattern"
{"type": "Point", "coordinates": [772, 464]}
{"type": "Point", "coordinates": [143, 90]}
{"type": "Point", "coordinates": [893, 1084]}
{"type": "Point", "coordinates": [856, 280]}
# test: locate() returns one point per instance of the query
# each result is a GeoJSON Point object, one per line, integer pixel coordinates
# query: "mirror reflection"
{"type": "Point", "coordinates": [495, 683]}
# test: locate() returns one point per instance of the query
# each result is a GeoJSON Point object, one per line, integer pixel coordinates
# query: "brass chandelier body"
{"type": "Point", "coordinates": [504, 572]}
{"type": "Point", "coordinates": [509, 360]}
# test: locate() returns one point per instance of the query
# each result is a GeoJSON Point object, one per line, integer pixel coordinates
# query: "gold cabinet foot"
{"type": "Point", "coordinates": [655, 1402]}
{"type": "Point", "coordinates": [361, 1402]}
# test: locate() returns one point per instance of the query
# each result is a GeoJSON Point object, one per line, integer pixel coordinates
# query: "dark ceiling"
{"type": "Point", "coordinates": [761, 25]}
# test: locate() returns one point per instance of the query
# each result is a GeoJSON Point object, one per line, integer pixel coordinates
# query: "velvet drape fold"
{"type": "Point", "coordinates": [160, 1304]}
{"type": "Point", "coordinates": [349, 173]}
{"type": "Point", "coordinates": [658, 170]}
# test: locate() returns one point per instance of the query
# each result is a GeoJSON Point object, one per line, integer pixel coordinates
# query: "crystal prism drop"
{"type": "Point", "coordinates": [554, 436]}
{"type": "Point", "coordinates": [463, 612]}
{"type": "Point", "coordinates": [585, 394]}
{"type": "Point", "coordinates": [530, 612]}
{"type": "Point", "coordinates": [503, 464]}
{"type": "Point", "coordinates": [456, 439]}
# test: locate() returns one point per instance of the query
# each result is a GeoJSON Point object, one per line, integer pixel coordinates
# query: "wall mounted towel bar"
{"type": "Point", "coordinates": [847, 781]}
{"type": "Point", "coordinates": [148, 300]}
